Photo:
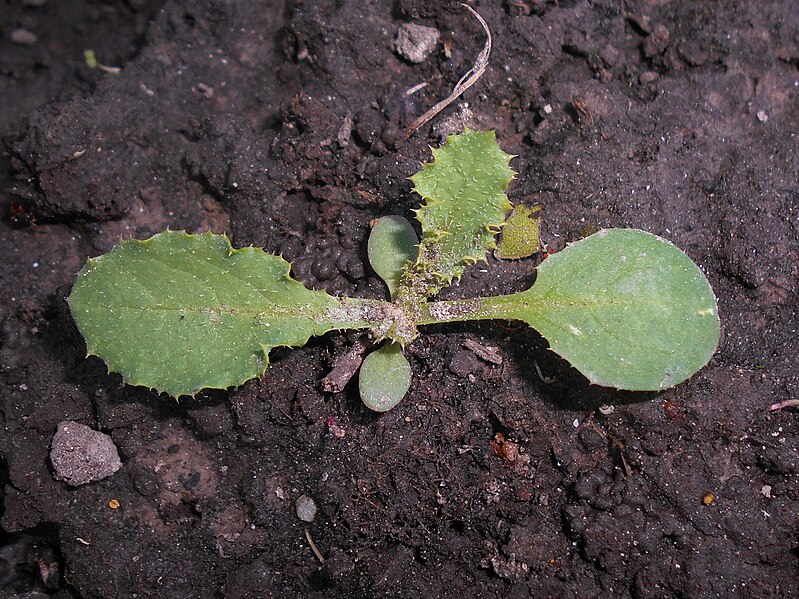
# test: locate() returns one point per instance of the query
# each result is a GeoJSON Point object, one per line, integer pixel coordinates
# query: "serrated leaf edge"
{"type": "Point", "coordinates": [433, 234]}
{"type": "Point", "coordinates": [130, 380]}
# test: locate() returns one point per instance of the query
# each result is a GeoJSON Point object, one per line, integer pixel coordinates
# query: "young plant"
{"type": "Point", "coordinates": [180, 313]}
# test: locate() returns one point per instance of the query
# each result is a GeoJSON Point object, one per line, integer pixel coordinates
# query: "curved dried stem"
{"type": "Point", "coordinates": [469, 78]}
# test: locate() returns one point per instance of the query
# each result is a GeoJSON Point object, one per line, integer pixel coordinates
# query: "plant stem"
{"type": "Point", "coordinates": [500, 307]}
{"type": "Point", "coordinates": [398, 322]}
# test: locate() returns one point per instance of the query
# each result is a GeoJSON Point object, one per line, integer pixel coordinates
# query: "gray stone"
{"type": "Point", "coordinates": [416, 42]}
{"type": "Point", "coordinates": [306, 508]}
{"type": "Point", "coordinates": [24, 37]}
{"type": "Point", "coordinates": [80, 454]}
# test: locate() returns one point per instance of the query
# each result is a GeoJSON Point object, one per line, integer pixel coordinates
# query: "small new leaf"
{"type": "Point", "coordinates": [521, 234]}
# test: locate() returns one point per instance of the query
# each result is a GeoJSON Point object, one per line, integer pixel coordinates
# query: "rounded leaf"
{"type": "Point", "coordinates": [392, 244]}
{"type": "Point", "coordinates": [626, 308]}
{"type": "Point", "coordinates": [385, 378]}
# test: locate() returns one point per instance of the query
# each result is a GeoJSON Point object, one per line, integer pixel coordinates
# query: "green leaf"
{"type": "Point", "coordinates": [385, 378]}
{"type": "Point", "coordinates": [626, 308]}
{"type": "Point", "coordinates": [465, 206]}
{"type": "Point", "coordinates": [521, 234]}
{"type": "Point", "coordinates": [180, 313]}
{"type": "Point", "coordinates": [392, 244]}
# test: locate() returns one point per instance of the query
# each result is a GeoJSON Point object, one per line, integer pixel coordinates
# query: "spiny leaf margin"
{"type": "Point", "coordinates": [465, 207]}
{"type": "Point", "coordinates": [179, 313]}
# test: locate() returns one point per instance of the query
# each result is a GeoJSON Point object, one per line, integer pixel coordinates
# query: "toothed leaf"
{"type": "Point", "coordinates": [179, 313]}
{"type": "Point", "coordinates": [465, 206]}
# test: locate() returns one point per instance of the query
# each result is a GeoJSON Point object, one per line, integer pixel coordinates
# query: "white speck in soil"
{"type": "Point", "coordinates": [24, 37]}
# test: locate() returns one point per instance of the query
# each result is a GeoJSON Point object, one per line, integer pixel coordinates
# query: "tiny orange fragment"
{"type": "Point", "coordinates": [708, 499]}
{"type": "Point", "coordinates": [113, 504]}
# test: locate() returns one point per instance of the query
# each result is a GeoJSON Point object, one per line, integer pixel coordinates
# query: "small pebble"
{"type": "Point", "coordinates": [455, 122]}
{"type": "Point", "coordinates": [205, 90]}
{"type": "Point", "coordinates": [306, 508]}
{"type": "Point", "coordinates": [80, 454]}
{"type": "Point", "coordinates": [762, 116]}
{"type": "Point", "coordinates": [24, 37]}
{"type": "Point", "coordinates": [464, 363]}
{"type": "Point", "coordinates": [416, 42]}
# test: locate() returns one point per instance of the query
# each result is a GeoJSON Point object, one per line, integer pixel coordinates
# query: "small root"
{"type": "Point", "coordinates": [788, 403]}
{"type": "Point", "coordinates": [314, 548]}
{"type": "Point", "coordinates": [548, 380]}
{"type": "Point", "coordinates": [412, 90]}
{"type": "Point", "coordinates": [616, 443]}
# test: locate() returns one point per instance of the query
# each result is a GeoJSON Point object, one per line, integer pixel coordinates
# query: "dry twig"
{"type": "Point", "coordinates": [469, 78]}
{"type": "Point", "coordinates": [345, 366]}
{"type": "Point", "coordinates": [314, 548]}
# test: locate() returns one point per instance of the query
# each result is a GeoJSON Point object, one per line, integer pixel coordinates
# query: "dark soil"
{"type": "Point", "coordinates": [279, 123]}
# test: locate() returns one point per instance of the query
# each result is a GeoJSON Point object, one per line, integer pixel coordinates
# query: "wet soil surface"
{"type": "Point", "coordinates": [280, 123]}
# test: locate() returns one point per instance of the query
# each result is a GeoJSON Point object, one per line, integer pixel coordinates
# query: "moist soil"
{"type": "Point", "coordinates": [503, 473]}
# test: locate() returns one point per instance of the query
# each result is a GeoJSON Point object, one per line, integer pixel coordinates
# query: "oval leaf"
{"type": "Point", "coordinates": [626, 308]}
{"type": "Point", "coordinates": [385, 378]}
{"type": "Point", "coordinates": [392, 244]}
{"type": "Point", "coordinates": [179, 313]}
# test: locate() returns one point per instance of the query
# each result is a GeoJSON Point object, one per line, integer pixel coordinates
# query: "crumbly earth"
{"type": "Point", "coordinates": [281, 124]}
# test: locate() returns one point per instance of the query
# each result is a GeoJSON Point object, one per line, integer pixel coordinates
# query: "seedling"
{"type": "Point", "coordinates": [180, 313]}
